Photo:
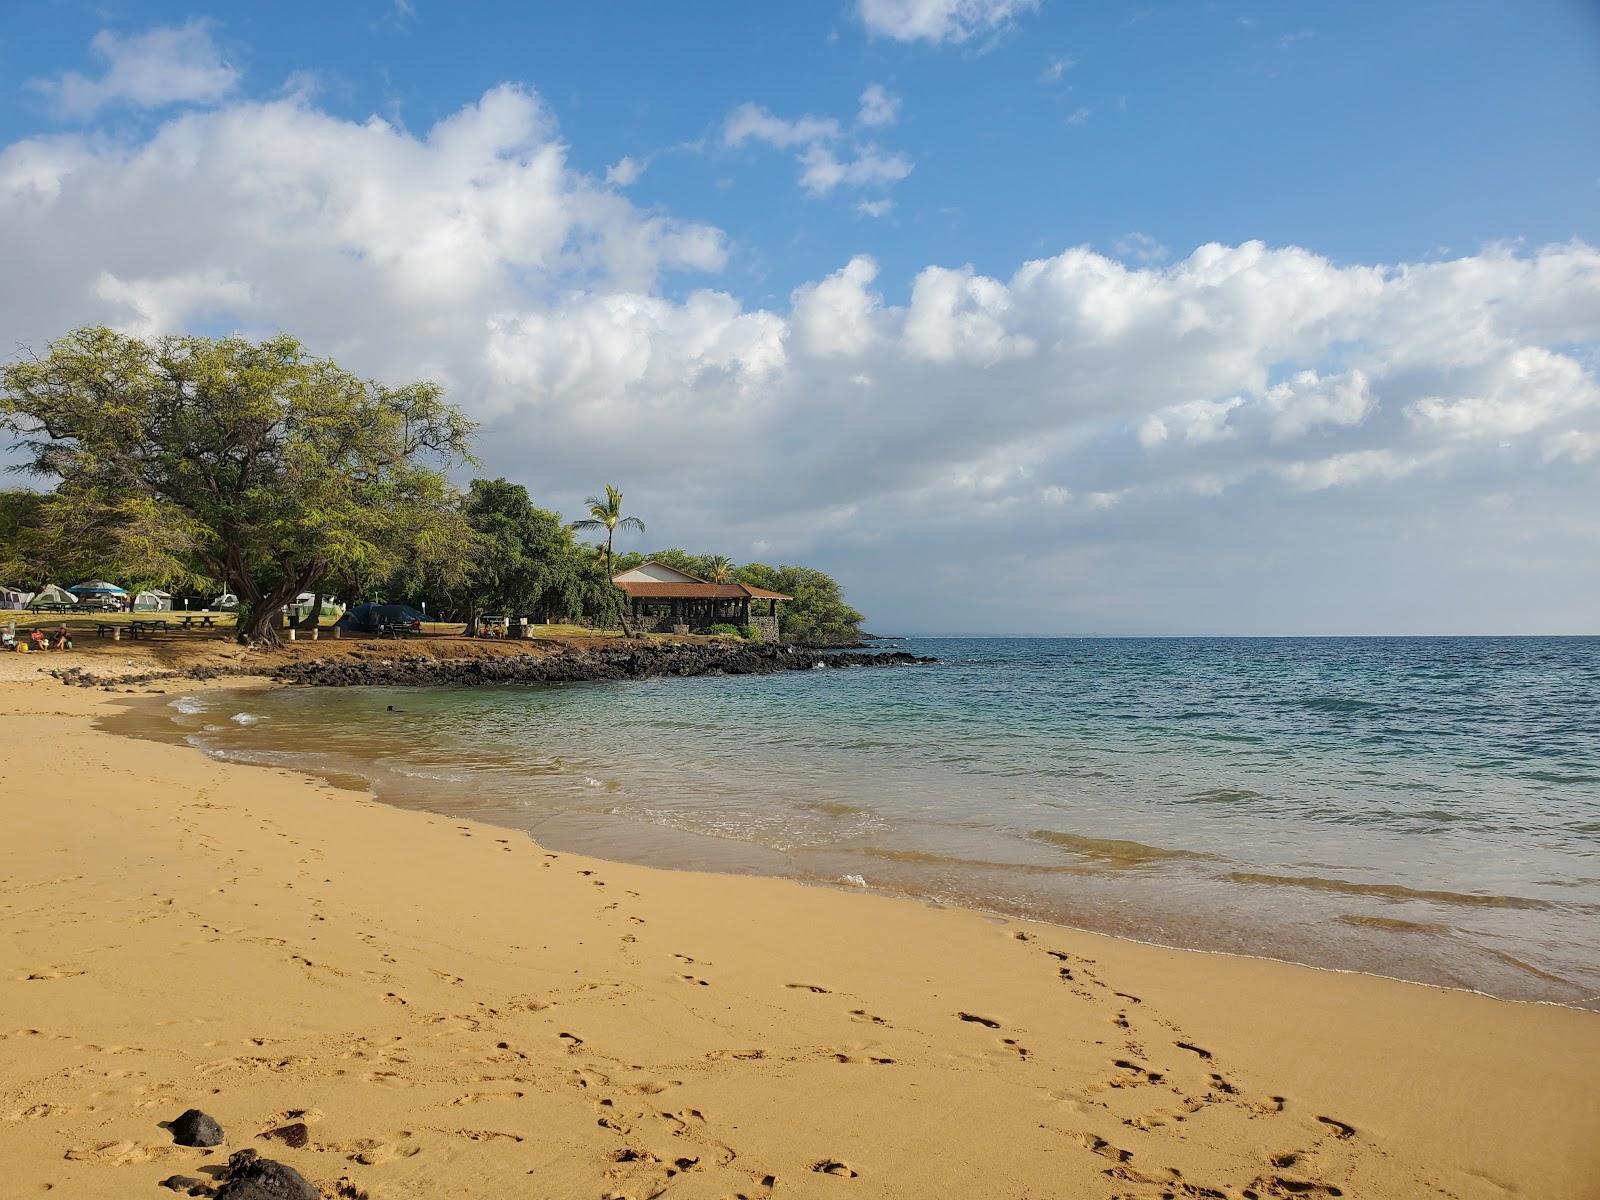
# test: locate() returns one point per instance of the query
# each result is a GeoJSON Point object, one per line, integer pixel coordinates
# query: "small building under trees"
{"type": "Point", "coordinates": [662, 598]}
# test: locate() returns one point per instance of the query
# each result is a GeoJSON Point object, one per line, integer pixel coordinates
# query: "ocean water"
{"type": "Point", "coordinates": [1426, 808]}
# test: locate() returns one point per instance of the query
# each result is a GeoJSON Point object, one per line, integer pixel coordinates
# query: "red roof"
{"type": "Point", "coordinates": [649, 589]}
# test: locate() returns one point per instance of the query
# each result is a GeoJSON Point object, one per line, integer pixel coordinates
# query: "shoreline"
{"type": "Point", "coordinates": [366, 790]}
{"type": "Point", "coordinates": [1179, 893]}
{"type": "Point", "coordinates": [352, 784]}
{"type": "Point", "coordinates": [1059, 1115]}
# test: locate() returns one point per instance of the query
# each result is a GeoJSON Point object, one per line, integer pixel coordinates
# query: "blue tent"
{"type": "Point", "coordinates": [96, 587]}
{"type": "Point", "coordinates": [369, 618]}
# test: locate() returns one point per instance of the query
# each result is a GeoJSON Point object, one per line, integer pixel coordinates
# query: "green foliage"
{"type": "Point", "coordinates": [524, 559]}
{"type": "Point", "coordinates": [714, 568]}
{"type": "Point", "coordinates": [818, 615]}
{"type": "Point", "coordinates": [23, 557]}
{"type": "Point", "coordinates": [725, 631]}
{"type": "Point", "coordinates": [607, 514]}
{"type": "Point", "coordinates": [254, 465]}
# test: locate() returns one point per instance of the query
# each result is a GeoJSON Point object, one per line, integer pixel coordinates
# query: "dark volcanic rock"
{"type": "Point", "coordinates": [642, 660]}
{"type": "Point", "coordinates": [251, 1177]}
{"type": "Point", "coordinates": [194, 1128]}
{"type": "Point", "coordinates": [188, 1185]}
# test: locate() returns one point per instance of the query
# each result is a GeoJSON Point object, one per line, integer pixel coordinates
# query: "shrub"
{"type": "Point", "coordinates": [724, 631]}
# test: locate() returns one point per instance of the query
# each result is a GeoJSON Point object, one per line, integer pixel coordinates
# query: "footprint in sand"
{"type": "Point", "coordinates": [1098, 1145]}
{"type": "Point", "coordinates": [654, 1087]}
{"type": "Point", "coordinates": [374, 1153]}
{"type": "Point", "coordinates": [809, 987]}
{"type": "Point", "coordinates": [35, 1112]}
{"type": "Point", "coordinates": [974, 1019]}
{"type": "Point", "coordinates": [1340, 1130]}
{"type": "Point", "coordinates": [832, 1166]}
{"type": "Point", "coordinates": [692, 979]}
{"type": "Point", "coordinates": [480, 1097]}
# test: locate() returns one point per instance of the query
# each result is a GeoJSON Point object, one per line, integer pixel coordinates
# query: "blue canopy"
{"type": "Point", "coordinates": [367, 618]}
{"type": "Point", "coordinates": [97, 587]}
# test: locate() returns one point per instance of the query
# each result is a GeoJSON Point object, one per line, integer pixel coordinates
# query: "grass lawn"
{"type": "Point", "coordinates": [85, 623]}
{"type": "Point", "coordinates": [55, 620]}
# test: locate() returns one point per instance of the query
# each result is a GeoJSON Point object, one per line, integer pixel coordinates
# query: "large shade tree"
{"type": "Point", "coordinates": [525, 560]}
{"type": "Point", "coordinates": [256, 466]}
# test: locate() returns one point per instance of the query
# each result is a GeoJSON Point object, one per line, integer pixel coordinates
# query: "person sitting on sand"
{"type": "Point", "coordinates": [63, 639]}
{"type": "Point", "coordinates": [36, 640]}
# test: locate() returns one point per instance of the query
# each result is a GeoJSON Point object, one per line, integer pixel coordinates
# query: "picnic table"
{"type": "Point", "coordinates": [147, 627]}
{"type": "Point", "coordinates": [204, 622]}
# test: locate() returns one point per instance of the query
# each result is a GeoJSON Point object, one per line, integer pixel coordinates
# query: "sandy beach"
{"type": "Point", "coordinates": [450, 1010]}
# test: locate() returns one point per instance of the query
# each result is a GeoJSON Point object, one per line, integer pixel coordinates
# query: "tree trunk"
{"type": "Point", "coordinates": [255, 626]}
{"type": "Point", "coordinates": [313, 616]}
{"type": "Point", "coordinates": [622, 609]}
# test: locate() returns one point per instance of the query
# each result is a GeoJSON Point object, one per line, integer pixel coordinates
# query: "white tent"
{"type": "Point", "coordinates": [227, 602]}
{"type": "Point", "coordinates": [51, 594]}
{"type": "Point", "coordinates": [14, 598]}
{"type": "Point", "coordinates": [303, 602]}
{"type": "Point", "coordinates": [153, 601]}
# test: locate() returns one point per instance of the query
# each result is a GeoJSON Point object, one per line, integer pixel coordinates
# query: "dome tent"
{"type": "Point", "coordinates": [52, 596]}
{"type": "Point", "coordinates": [153, 601]}
{"type": "Point", "coordinates": [370, 618]}
{"type": "Point", "coordinates": [11, 597]}
{"type": "Point", "coordinates": [227, 602]}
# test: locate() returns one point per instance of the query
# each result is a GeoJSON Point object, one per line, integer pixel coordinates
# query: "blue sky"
{"type": "Point", "coordinates": [767, 266]}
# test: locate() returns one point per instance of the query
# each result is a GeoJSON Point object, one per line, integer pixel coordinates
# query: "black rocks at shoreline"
{"type": "Point", "coordinates": [645, 660]}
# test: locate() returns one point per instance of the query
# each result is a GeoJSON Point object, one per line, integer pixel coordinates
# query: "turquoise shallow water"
{"type": "Point", "coordinates": [1425, 808]}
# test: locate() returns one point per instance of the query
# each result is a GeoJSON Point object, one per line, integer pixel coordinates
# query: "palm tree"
{"type": "Point", "coordinates": [607, 514]}
{"type": "Point", "coordinates": [718, 568]}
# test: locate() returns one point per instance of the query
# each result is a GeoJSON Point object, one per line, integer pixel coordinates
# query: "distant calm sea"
{"type": "Point", "coordinates": [1427, 808]}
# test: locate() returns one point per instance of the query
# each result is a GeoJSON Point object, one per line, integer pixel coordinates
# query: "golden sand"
{"type": "Point", "coordinates": [452, 1011]}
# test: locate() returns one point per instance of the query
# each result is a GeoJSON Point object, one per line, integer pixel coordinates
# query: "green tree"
{"type": "Point", "coordinates": [256, 465]}
{"type": "Point", "coordinates": [718, 568]}
{"type": "Point", "coordinates": [526, 561]}
{"type": "Point", "coordinates": [22, 517]}
{"type": "Point", "coordinates": [818, 615]}
{"type": "Point", "coordinates": [607, 514]}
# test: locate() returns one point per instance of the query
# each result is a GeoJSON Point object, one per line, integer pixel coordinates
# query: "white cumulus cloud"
{"type": "Point", "coordinates": [595, 341]}
{"type": "Point", "coordinates": [162, 66]}
{"type": "Point", "coordinates": [940, 20]}
{"type": "Point", "coordinates": [879, 107]}
{"type": "Point", "coordinates": [826, 161]}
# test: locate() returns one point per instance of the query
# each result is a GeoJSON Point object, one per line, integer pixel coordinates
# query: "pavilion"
{"type": "Point", "coordinates": [665, 598]}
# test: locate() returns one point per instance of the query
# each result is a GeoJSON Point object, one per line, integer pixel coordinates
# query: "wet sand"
{"type": "Point", "coordinates": [452, 1010]}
